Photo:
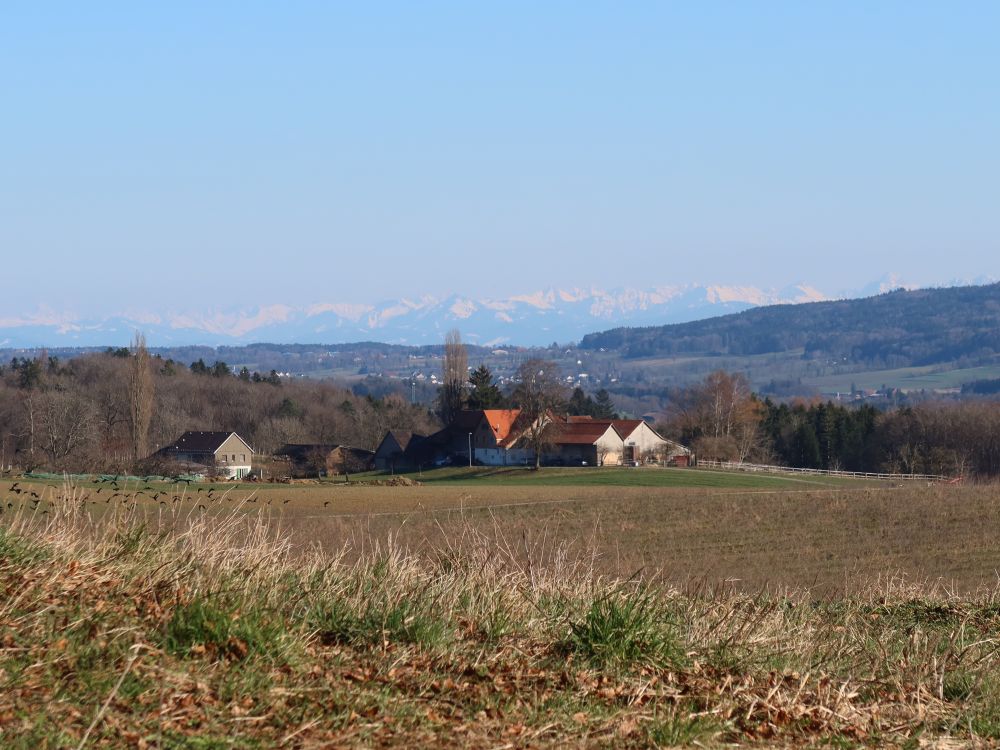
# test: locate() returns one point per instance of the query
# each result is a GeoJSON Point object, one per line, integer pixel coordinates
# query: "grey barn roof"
{"type": "Point", "coordinates": [200, 442]}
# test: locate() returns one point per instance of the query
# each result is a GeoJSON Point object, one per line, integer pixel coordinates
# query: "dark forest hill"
{"type": "Point", "coordinates": [897, 329]}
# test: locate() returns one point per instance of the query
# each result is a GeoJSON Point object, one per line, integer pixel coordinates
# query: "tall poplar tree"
{"type": "Point", "coordinates": [140, 392]}
{"type": "Point", "coordinates": [451, 396]}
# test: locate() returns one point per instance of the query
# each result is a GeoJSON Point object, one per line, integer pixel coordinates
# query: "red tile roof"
{"type": "Point", "coordinates": [627, 426]}
{"type": "Point", "coordinates": [580, 433]}
{"type": "Point", "coordinates": [501, 421]}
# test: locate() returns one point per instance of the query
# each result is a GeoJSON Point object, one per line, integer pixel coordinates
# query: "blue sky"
{"type": "Point", "coordinates": [184, 155]}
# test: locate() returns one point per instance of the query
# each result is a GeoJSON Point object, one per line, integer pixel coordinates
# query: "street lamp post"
{"type": "Point", "coordinates": [470, 450]}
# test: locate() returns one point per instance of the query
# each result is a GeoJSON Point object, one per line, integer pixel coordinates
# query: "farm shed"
{"type": "Point", "coordinates": [596, 443]}
{"type": "Point", "coordinates": [325, 459]}
{"type": "Point", "coordinates": [399, 451]}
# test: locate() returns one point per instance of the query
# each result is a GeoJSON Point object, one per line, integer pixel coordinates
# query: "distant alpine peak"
{"type": "Point", "coordinates": [800, 293]}
{"type": "Point", "coordinates": [562, 314]}
{"type": "Point", "coordinates": [888, 282]}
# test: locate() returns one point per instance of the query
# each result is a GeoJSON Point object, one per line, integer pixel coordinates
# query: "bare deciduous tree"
{"type": "Point", "coordinates": [64, 424]}
{"type": "Point", "coordinates": [539, 392]}
{"type": "Point", "coordinates": [721, 415]}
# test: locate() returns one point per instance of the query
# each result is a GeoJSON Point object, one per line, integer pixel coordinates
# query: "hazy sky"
{"type": "Point", "coordinates": [178, 155]}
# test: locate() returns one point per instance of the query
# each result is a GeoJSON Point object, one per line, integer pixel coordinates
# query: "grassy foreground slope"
{"type": "Point", "coordinates": [212, 634]}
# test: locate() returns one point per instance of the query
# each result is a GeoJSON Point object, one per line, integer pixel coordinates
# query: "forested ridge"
{"type": "Point", "coordinates": [896, 329]}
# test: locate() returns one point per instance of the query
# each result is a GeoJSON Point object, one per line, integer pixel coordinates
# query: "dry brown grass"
{"type": "Point", "coordinates": [224, 626]}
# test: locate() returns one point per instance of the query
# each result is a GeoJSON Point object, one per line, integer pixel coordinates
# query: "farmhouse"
{"type": "Point", "coordinates": [493, 435]}
{"type": "Point", "coordinates": [496, 437]}
{"type": "Point", "coordinates": [223, 454]}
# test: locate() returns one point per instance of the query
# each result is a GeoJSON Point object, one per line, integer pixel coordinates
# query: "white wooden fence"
{"type": "Point", "coordinates": [739, 466]}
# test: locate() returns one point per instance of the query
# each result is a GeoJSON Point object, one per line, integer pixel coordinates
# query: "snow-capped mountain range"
{"type": "Point", "coordinates": [539, 318]}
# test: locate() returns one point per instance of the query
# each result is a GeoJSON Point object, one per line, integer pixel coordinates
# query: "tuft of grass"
{"type": "Point", "coordinates": [405, 621]}
{"type": "Point", "coordinates": [205, 625]}
{"type": "Point", "coordinates": [17, 550]}
{"type": "Point", "coordinates": [375, 622]}
{"type": "Point", "coordinates": [497, 622]}
{"type": "Point", "coordinates": [683, 729]}
{"type": "Point", "coordinates": [622, 629]}
{"type": "Point", "coordinates": [959, 686]}
{"type": "Point", "coordinates": [332, 619]}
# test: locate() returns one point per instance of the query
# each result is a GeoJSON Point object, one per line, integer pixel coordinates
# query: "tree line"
{"type": "Point", "coordinates": [721, 418]}
{"type": "Point", "coordinates": [110, 411]}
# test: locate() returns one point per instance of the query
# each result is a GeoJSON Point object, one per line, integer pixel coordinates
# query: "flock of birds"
{"type": "Point", "coordinates": [110, 493]}
{"type": "Point", "coordinates": [17, 490]}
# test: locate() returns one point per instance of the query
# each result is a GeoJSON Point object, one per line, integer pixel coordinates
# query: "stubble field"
{"type": "Point", "coordinates": [683, 528]}
{"type": "Point", "coordinates": [826, 540]}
